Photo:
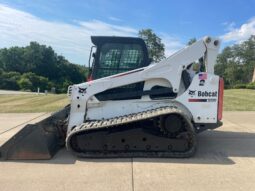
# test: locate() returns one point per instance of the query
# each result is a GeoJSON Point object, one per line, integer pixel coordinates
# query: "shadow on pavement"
{"type": "Point", "coordinates": [214, 147]}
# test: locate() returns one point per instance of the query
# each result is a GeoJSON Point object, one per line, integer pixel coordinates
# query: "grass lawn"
{"type": "Point", "coordinates": [27, 103]}
{"type": "Point", "coordinates": [239, 100]}
{"type": "Point", "coordinates": [234, 100]}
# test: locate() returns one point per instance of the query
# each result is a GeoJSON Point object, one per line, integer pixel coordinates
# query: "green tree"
{"type": "Point", "coordinates": [154, 44]}
{"type": "Point", "coordinates": [12, 59]}
{"type": "Point", "coordinates": [236, 63]}
{"type": "Point", "coordinates": [48, 68]}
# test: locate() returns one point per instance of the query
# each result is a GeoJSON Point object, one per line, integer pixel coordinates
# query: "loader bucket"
{"type": "Point", "coordinates": [37, 141]}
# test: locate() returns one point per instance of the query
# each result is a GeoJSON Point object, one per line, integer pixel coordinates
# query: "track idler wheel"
{"type": "Point", "coordinates": [172, 124]}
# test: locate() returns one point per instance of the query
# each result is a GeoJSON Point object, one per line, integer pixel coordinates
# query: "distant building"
{"type": "Point", "coordinates": [253, 77]}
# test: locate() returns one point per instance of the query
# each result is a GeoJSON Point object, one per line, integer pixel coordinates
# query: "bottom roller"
{"type": "Point", "coordinates": [37, 141]}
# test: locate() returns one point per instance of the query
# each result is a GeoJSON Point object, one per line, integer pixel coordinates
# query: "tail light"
{"type": "Point", "coordinates": [89, 78]}
{"type": "Point", "coordinates": [220, 98]}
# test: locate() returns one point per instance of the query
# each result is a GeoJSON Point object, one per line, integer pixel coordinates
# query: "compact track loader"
{"type": "Point", "coordinates": [131, 107]}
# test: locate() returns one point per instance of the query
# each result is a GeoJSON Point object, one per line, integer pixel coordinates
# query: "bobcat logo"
{"type": "Point", "coordinates": [192, 92]}
{"type": "Point", "coordinates": [82, 90]}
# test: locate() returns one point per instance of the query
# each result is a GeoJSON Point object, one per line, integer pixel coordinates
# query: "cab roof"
{"type": "Point", "coordinates": [98, 40]}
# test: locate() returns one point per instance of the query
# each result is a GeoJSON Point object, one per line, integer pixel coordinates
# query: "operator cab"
{"type": "Point", "coordinates": [112, 55]}
{"type": "Point", "coordinates": [115, 55]}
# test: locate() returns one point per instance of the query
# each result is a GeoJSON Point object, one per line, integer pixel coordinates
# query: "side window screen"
{"type": "Point", "coordinates": [116, 58]}
{"type": "Point", "coordinates": [131, 56]}
{"type": "Point", "coordinates": [109, 58]}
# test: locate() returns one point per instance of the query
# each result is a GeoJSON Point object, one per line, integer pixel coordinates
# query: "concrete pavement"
{"type": "Point", "coordinates": [225, 160]}
{"type": "Point", "coordinates": [11, 123]}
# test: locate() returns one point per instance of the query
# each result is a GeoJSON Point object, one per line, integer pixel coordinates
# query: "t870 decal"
{"type": "Point", "coordinates": [202, 100]}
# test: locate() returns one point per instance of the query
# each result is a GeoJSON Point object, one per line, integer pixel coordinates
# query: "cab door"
{"type": "Point", "coordinates": [114, 58]}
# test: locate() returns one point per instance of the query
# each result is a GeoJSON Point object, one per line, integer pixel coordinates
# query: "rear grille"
{"type": "Point", "coordinates": [69, 91]}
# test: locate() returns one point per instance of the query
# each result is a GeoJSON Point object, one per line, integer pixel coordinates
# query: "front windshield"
{"type": "Point", "coordinates": [116, 58]}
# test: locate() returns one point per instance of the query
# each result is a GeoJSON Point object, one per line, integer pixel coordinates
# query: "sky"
{"type": "Point", "coordinates": [67, 25]}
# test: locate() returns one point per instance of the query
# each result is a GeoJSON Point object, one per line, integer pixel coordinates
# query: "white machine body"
{"type": "Point", "coordinates": [199, 100]}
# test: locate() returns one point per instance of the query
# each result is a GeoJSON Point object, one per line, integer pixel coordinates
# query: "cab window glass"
{"type": "Point", "coordinates": [116, 58]}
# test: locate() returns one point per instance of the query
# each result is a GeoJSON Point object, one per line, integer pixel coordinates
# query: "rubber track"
{"type": "Point", "coordinates": [127, 119]}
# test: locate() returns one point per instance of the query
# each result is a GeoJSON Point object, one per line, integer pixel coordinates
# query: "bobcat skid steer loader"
{"type": "Point", "coordinates": [131, 107]}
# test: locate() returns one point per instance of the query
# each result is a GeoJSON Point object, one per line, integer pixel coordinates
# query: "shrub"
{"type": "Point", "coordinates": [25, 84]}
{"type": "Point", "coordinates": [37, 81]}
{"type": "Point", "coordinates": [251, 86]}
{"type": "Point", "coordinates": [239, 86]}
{"type": "Point", "coordinates": [9, 80]}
